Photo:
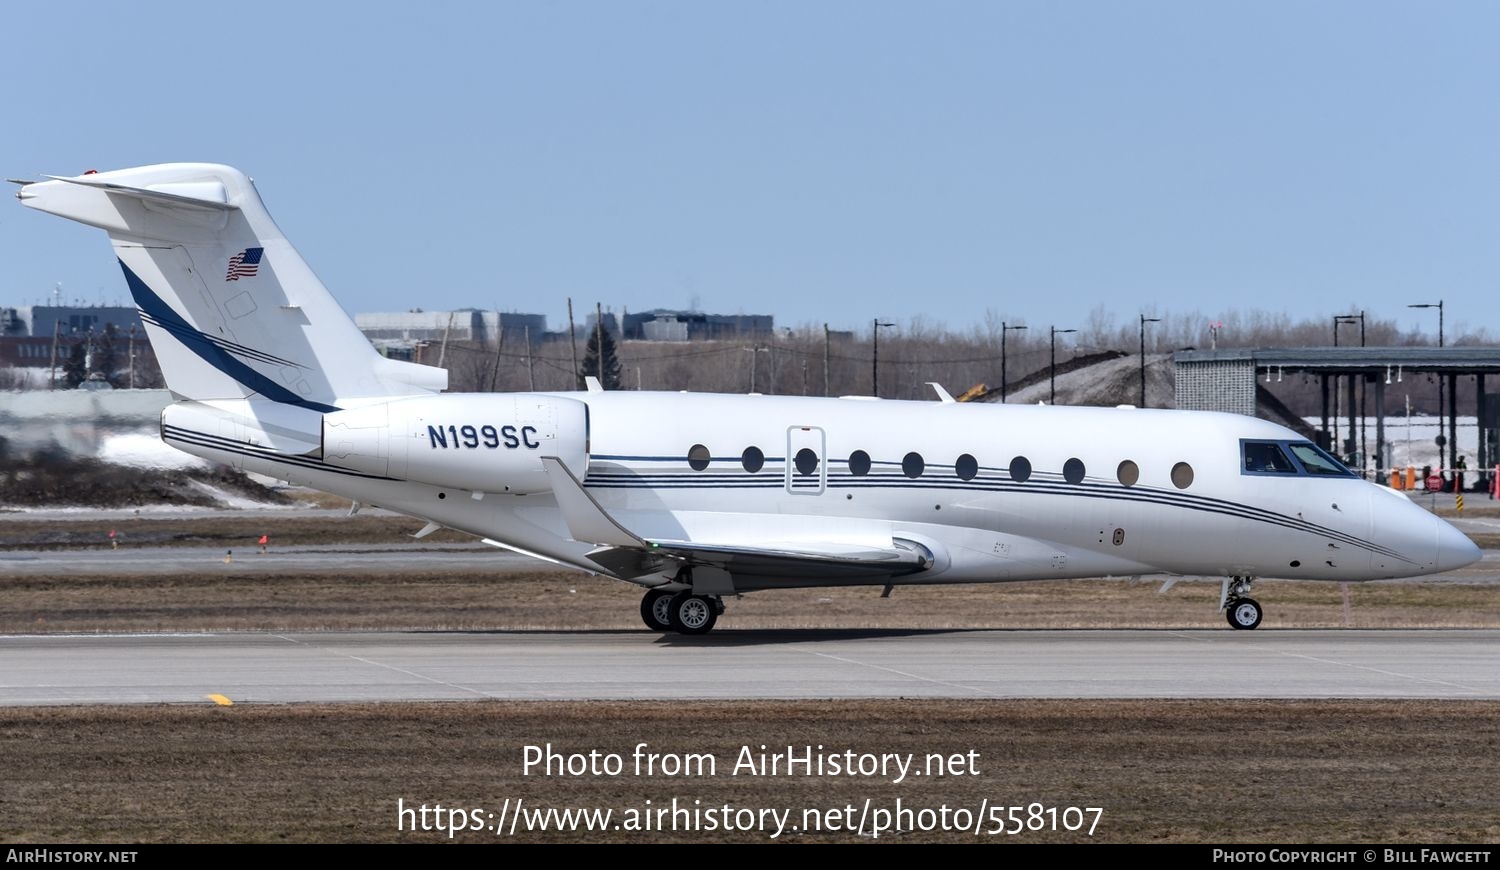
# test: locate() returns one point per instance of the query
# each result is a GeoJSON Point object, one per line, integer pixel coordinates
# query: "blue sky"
{"type": "Point", "coordinates": [828, 161]}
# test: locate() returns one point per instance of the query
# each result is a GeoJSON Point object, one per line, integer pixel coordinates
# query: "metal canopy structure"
{"type": "Point", "coordinates": [1220, 380]}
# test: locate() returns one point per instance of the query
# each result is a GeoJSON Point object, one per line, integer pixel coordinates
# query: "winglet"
{"type": "Point", "coordinates": [592, 383]}
{"type": "Point", "coordinates": [587, 521]}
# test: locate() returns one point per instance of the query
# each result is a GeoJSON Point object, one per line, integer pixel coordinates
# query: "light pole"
{"type": "Point", "coordinates": [875, 358]}
{"type": "Point", "coordinates": [1441, 441]}
{"type": "Point", "coordinates": [1004, 328]}
{"type": "Point", "coordinates": [1052, 389]}
{"type": "Point", "coordinates": [132, 356]}
{"type": "Point", "coordinates": [1439, 306]}
{"type": "Point", "coordinates": [753, 351]}
{"type": "Point", "coordinates": [1356, 439]}
{"type": "Point", "coordinates": [1145, 320]}
{"type": "Point", "coordinates": [1349, 318]}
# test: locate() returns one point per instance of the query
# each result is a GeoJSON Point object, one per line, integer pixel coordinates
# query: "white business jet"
{"type": "Point", "coordinates": [697, 497]}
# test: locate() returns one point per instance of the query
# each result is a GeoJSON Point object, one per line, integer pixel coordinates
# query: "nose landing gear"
{"type": "Point", "coordinates": [1242, 611]}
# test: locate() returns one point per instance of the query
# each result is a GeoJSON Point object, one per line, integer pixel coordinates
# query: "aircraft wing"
{"type": "Point", "coordinates": [626, 554]}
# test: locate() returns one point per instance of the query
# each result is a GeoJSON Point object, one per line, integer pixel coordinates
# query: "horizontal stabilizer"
{"type": "Point", "coordinates": [208, 195]}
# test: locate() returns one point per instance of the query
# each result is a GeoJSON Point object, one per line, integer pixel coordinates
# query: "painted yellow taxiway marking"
{"type": "Point", "coordinates": [221, 700]}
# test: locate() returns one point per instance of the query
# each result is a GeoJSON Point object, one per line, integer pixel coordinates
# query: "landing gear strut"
{"type": "Point", "coordinates": [1242, 611]}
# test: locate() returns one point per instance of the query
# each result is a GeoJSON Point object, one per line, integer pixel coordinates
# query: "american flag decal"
{"type": "Point", "coordinates": [244, 264]}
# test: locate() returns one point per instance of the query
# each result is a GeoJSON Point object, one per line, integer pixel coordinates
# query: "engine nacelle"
{"type": "Point", "coordinates": [489, 442]}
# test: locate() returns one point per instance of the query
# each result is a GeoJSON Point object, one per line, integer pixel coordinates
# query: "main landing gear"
{"type": "Point", "coordinates": [682, 612]}
{"type": "Point", "coordinates": [654, 610]}
{"type": "Point", "coordinates": [1242, 611]}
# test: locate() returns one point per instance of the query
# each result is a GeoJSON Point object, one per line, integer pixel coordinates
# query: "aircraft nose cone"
{"type": "Point", "coordinates": [1454, 549]}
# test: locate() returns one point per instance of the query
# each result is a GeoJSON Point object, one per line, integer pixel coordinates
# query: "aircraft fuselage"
{"type": "Point", "coordinates": [994, 492]}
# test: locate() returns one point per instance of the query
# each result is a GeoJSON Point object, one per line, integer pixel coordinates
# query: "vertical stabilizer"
{"type": "Point", "coordinates": [230, 307]}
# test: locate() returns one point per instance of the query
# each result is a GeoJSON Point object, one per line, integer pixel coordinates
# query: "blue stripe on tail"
{"type": "Point", "coordinates": [204, 346]}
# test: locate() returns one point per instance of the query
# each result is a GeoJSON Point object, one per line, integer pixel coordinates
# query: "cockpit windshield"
{"type": "Point", "coordinates": [1318, 461]}
{"type": "Point", "coordinates": [1291, 458]}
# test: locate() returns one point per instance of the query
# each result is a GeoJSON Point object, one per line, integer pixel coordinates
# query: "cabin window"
{"type": "Point", "coordinates": [966, 467]}
{"type": "Point", "coordinates": [1073, 471]}
{"type": "Point", "coordinates": [859, 463]}
{"type": "Point", "coordinates": [806, 461]}
{"type": "Point", "coordinates": [1182, 475]}
{"type": "Point", "coordinates": [698, 457]}
{"type": "Point", "coordinates": [1128, 473]}
{"type": "Point", "coordinates": [1020, 469]}
{"type": "Point", "coordinates": [1265, 457]}
{"type": "Point", "coordinates": [753, 459]}
{"type": "Point", "coordinates": [913, 465]}
{"type": "Point", "coordinates": [1317, 461]}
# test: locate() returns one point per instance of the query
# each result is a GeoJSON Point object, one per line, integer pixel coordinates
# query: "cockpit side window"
{"type": "Point", "coordinates": [1317, 461]}
{"type": "Point", "coordinates": [1265, 457]}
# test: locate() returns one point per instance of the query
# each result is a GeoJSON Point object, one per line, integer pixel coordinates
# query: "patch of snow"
{"type": "Point", "coordinates": [228, 499]}
{"type": "Point", "coordinates": [140, 450]}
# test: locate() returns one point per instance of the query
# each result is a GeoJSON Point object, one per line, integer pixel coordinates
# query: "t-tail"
{"type": "Point", "coordinates": [230, 307]}
{"type": "Point", "coordinates": [272, 376]}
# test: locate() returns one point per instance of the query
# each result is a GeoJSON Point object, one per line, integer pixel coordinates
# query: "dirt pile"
{"type": "Point", "coordinates": [57, 479]}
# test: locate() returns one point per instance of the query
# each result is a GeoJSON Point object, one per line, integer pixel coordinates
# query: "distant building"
{"type": "Point", "coordinates": [395, 333]}
{"type": "Point", "coordinates": [24, 351]}
{"type": "Point", "coordinates": [662, 324]}
{"type": "Point", "coordinates": [28, 333]}
{"type": "Point", "coordinates": [49, 355]}
{"type": "Point", "coordinates": [39, 321]}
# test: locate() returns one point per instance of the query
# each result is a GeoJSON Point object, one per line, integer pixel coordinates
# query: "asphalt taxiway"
{"type": "Point", "coordinates": [304, 558]}
{"type": "Point", "coordinates": [419, 666]}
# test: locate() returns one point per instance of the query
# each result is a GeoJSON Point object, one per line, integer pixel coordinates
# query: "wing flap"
{"type": "Point", "coordinates": [832, 559]}
{"type": "Point", "coordinates": [623, 553]}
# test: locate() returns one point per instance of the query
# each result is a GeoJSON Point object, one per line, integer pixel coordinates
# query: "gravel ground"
{"type": "Point", "coordinates": [1162, 772]}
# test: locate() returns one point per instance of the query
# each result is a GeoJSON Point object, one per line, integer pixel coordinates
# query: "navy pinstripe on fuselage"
{"type": "Point", "coordinates": [773, 477]}
{"type": "Point", "coordinates": [254, 451]}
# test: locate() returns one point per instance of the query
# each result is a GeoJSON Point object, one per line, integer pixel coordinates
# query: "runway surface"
{"type": "Point", "coordinates": [306, 558]}
{"type": "Point", "coordinates": [409, 666]}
